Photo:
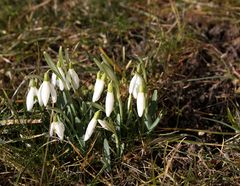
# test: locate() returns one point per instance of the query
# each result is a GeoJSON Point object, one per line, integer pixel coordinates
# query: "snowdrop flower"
{"type": "Point", "coordinates": [140, 101]}
{"type": "Point", "coordinates": [91, 126]}
{"type": "Point", "coordinates": [98, 87]}
{"type": "Point", "coordinates": [45, 91]}
{"type": "Point", "coordinates": [138, 83]}
{"type": "Point", "coordinates": [57, 127]}
{"type": "Point", "coordinates": [109, 103]}
{"type": "Point", "coordinates": [73, 77]}
{"type": "Point", "coordinates": [32, 93]}
{"type": "Point", "coordinates": [135, 83]}
{"type": "Point", "coordinates": [60, 82]}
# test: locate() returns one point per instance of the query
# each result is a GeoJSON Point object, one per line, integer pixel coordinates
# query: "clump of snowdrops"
{"type": "Point", "coordinates": [75, 117]}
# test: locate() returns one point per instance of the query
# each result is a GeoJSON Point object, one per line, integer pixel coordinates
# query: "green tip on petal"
{"type": "Point", "coordinates": [70, 65]}
{"type": "Point", "coordinates": [99, 75]}
{"type": "Point", "coordinates": [141, 88]}
{"type": "Point", "coordinates": [32, 83]}
{"type": "Point", "coordinates": [59, 64]}
{"type": "Point", "coordinates": [138, 68]}
{"type": "Point", "coordinates": [103, 77]}
{"type": "Point", "coordinates": [55, 118]}
{"type": "Point", "coordinates": [46, 76]}
{"type": "Point", "coordinates": [110, 87]}
{"type": "Point", "coordinates": [96, 115]}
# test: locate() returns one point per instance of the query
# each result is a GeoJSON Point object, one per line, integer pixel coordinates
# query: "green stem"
{"type": "Point", "coordinates": [120, 104]}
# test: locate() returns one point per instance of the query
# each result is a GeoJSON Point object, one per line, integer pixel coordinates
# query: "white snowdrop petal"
{"type": "Point", "coordinates": [39, 96]}
{"type": "Point", "coordinates": [60, 84]}
{"type": "Point", "coordinates": [35, 91]}
{"type": "Point", "coordinates": [140, 103]}
{"type": "Point", "coordinates": [135, 92]}
{"type": "Point", "coordinates": [98, 88]}
{"type": "Point", "coordinates": [137, 84]}
{"type": "Point", "coordinates": [30, 99]}
{"type": "Point", "coordinates": [54, 79]}
{"type": "Point", "coordinates": [45, 92]}
{"type": "Point", "coordinates": [53, 93]}
{"type": "Point", "coordinates": [90, 129]}
{"type": "Point", "coordinates": [109, 103]}
{"type": "Point", "coordinates": [132, 84]}
{"type": "Point", "coordinates": [75, 78]}
{"type": "Point", "coordinates": [52, 128]}
{"type": "Point", "coordinates": [59, 129]}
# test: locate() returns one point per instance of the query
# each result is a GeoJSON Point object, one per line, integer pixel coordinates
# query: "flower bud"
{"type": "Point", "coordinates": [91, 126]}
{"type": "Point", "coordinates": [98, 87]}
{"type": "Point", "coordinates": [109, 103]}
{"type": "Point", "coordinates": [134, 85]}
{"type": "Point", "coordinates": [73, 77]}
{"type": "Point", "coordinates": [140, 101]}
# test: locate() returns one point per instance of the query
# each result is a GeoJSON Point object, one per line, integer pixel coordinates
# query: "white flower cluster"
{"type": "Point", "coordinates": [98, 89]}
{"type": "Point", "coordinates": [136, 88]}
{"type": "Point", "coordinates": [67, 79]}
{"type": "Point", "coordinates": [109, 103]}
{"type": "Point", "coordinates": [47, 90]}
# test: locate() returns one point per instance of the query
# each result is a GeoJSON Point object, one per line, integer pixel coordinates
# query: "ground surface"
{"type": "Point", "coordinates": [192, 49]}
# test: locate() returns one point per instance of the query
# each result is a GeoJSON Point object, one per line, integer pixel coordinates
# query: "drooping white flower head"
{"type": "Point", "coordinates": [63, 81]}
{"type": "Point", "coordinates": [73, 77]}
{"type": "Point", "coordinates": [45, 91]}
{"type": "Point", "coordinates": [98, 87]}
{"type": "Point", "coordinates": [57, 127]}
{"type": "Point", "coordinates": [135, 83]}
{"type": "Point", "coordinates": [109, 103]}
{"type": "Point", "coordinates": [32, 93]}
{"type": "Point", "coordinates": [140, 101]}
{"type": "Point", "coordinates": [138, 83]}
{"type": "Point", "coordinates": [91, 126]}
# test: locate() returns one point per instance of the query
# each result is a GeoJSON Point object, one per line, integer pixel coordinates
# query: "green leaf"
{"type": "Point", "coordinates": [109, 61]}
{"type": "Point", "coordinates": [60, 56]}
{"type": "Point", "coordinates": [53, 67]}
{"type": "Point", "coordinates": [106, 154]}
{"type": "Point", "coordinates": [107, 70]}
{"type": "Point", "coordinates": [96, 105]}
{"type": "Point", "coordinates": [232, 120]}
{"type": "Point", "coordinates": [109, 126]}
{"type": "Point", "coordinates": [153, 104]}
{"type": "Point", "coordinates": [110, 73]}
{"type": "Point", "coordinates": [50, 63]}
{"type": "Point", "coordinates": [151, 126]}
